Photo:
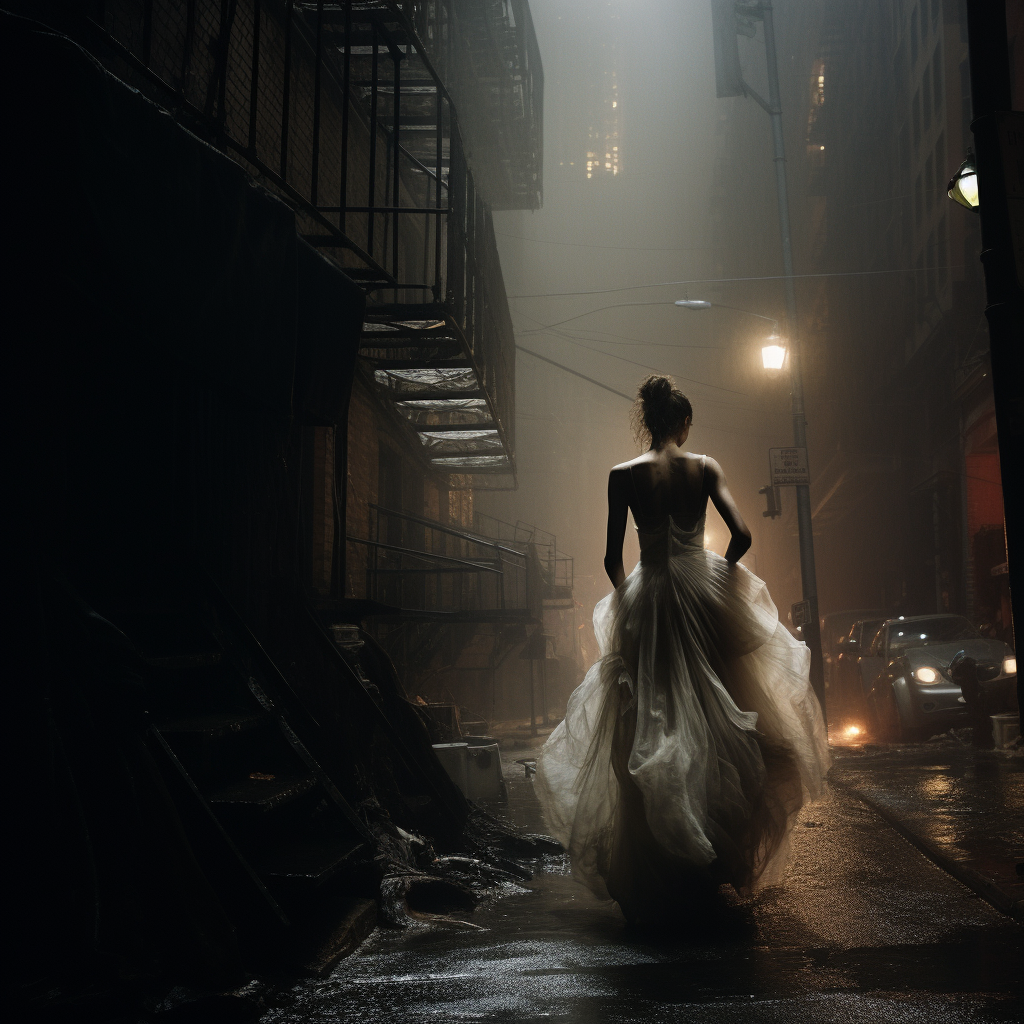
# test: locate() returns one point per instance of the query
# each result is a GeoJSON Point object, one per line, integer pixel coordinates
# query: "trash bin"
{"type": "Point", "coordinates": [483, 767]}
{"type": "Point", "coordinates": [453, 757]}
{"type": "Point", "coordinates": [1005, 730]}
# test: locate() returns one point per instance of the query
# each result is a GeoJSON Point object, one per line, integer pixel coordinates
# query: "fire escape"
{"type": "Point", "coordinates": [346, 110]}
{"type": "Point", "coordinates": [354, 113]}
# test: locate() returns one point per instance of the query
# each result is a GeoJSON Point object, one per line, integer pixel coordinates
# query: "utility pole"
{"type": "Point", "coordinates": [729, 18]}
{"type": "Point", "coordinates": [998, 135]}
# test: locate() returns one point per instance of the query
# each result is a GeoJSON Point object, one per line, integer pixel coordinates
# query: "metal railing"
{"type": "Point", "coordinates": [487, 54]}
{"type": "Point", "coordinates": [556, 565]}
{"type": "Point", "coordinates": [421, 564]}
{"type": "Point", "coordinates": [344, 109]}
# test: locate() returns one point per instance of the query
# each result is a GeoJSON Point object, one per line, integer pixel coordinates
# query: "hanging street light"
{"type": "Point", "coordinates": [963, 186]}
{"type": "Point", "coordinates": [773, 355]}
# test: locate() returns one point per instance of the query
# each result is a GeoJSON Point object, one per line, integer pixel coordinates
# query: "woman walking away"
{"type": "Point", "coordinates": [690, 746]}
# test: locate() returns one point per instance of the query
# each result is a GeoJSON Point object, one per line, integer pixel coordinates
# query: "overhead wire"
{"type": "Point", "coordinates": [629, 398]}
{"type": "Point", "coordinates": [731, 280]}
{"type": "Point", "coordinates": [645, 366]}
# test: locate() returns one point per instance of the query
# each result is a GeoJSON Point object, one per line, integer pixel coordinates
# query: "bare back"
{"type": "Point", "coordinates": [668, 482]}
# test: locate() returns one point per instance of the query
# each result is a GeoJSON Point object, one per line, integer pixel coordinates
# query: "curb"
{"type": "Point", "coordinates": [974, 880]}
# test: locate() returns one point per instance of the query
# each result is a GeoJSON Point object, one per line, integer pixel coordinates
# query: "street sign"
{"type": "Point", "coordinates": [801, 613]}
{"type": "Point", "coordinates": [788, 466]}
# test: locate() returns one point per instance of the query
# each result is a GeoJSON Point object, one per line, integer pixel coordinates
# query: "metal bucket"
{"type": "Point", "coordinates": [1005, 730]}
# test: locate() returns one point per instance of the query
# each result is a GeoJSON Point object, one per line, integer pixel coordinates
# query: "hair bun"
{"type": "Point", "coordinates": [660, 410]}
{"type": "Point", "coordinates": [655, 389]}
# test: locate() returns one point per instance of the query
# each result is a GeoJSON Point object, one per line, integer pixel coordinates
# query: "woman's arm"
{"type": "Point", "coordinates": [719, 493]}
{"type": "Point", "coordinates": [618, 506]}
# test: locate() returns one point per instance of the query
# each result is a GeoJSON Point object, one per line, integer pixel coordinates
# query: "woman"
{"type": "Point", "coordinates": [690, 746]}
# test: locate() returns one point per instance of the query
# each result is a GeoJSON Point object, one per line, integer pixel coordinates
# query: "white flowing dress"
{"type": "Point", "coordinates": [690, 746]}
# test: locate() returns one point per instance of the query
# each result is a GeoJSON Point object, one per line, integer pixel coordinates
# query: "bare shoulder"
{"type": "Point", "coordinates": [712, 469]}
{"type": "Point", "coordinates": [624, 467]}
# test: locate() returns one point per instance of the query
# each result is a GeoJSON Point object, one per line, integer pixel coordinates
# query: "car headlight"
{"type": "Point", "coordinates": [927, 675]}
{"type": "Point", "coordinates": [1009, 665]}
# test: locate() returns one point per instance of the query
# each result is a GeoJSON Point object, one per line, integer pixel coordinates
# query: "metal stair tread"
{"type": "Point", "coordinates": [220, 723]}
{"type": "Point", "coordinates": [307, 859]}
{"type": "Point", "coordinates": [266, 794]}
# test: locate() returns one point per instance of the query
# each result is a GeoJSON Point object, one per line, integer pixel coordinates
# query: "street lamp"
{"type": "Point", "coordinates": [773, 355]}
{"type": "Point", "coordinates": [963, 186]}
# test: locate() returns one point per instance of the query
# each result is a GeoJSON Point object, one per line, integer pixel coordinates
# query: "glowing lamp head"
{"type": "Point", "coordinates": [1009, 665]}
{"type": "Point", "coordinates": [852, 731]}
{"type": "Point", "coordinates": [927, 675]}
{"type": "Point", "coordinates": [773, 355]}
{"type": "Point", "coordinates": [963, 186]}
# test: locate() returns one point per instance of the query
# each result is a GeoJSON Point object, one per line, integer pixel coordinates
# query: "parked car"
{"type": "Point", "coordinates": [834, 628]}
{"type": "Point", "coordinates": [849, 713]}
{"type": "Point", "coordinates": [911, 694]}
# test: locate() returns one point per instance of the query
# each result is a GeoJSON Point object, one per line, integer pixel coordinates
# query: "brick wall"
{"type": "Point", "coordinates": [363, 447]}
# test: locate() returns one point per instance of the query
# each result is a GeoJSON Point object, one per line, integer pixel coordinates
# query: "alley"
{"type": "Point", "coordinates": [865, 929]}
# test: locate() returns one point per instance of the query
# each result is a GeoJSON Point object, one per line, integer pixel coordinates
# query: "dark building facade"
{"type": "Point", "coordinates": [264, 359]}
{"type": "Point", "coordinates": [906, 500]}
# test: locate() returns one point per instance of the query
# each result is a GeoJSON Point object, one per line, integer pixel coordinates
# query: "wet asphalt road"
{"type": "Point", "coordinates": [864, 929]}
{"type": "Point", "coordinates": [967, 803]}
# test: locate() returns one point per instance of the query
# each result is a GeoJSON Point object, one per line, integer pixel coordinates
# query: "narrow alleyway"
{"type": "Point", "coordinates": [865, 929]}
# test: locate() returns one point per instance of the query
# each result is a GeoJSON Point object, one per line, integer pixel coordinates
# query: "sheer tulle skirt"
{"type": "Point", "coordinates": [691, 744]}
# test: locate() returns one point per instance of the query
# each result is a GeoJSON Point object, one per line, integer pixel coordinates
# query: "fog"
{"type": "Point", "coordinates": [662, 217]}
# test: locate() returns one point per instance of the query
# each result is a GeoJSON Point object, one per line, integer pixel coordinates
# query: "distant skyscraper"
{"type": "Point", "coordinates": [604, 128]}
{"type": "Point", "coordinates": [593, 93]}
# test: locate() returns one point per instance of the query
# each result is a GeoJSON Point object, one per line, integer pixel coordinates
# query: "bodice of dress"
{"type": "Point", "coordinates": [668, 538]}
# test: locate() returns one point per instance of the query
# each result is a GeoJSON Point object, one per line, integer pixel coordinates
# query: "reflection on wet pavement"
{"type": "Point", "coordinates": [967, 802]}
{"type": "Point", "coordinates": [865, 929]}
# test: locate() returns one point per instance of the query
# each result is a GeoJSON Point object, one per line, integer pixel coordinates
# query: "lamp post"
{"type": "Point", "coordinates": [728, 18]}
{"type": "Point", "coordinates": [773, 357]}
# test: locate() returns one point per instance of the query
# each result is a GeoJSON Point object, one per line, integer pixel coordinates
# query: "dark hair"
{"type": "Point", "coordinates": [660, 411]}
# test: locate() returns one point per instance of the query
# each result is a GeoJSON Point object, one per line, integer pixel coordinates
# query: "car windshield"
{"type": "Point", "coordinates": [930, 631]}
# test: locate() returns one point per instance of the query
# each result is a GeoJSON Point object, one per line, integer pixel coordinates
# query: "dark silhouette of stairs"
{"type": "Point", "coordinates": [276, 838]}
